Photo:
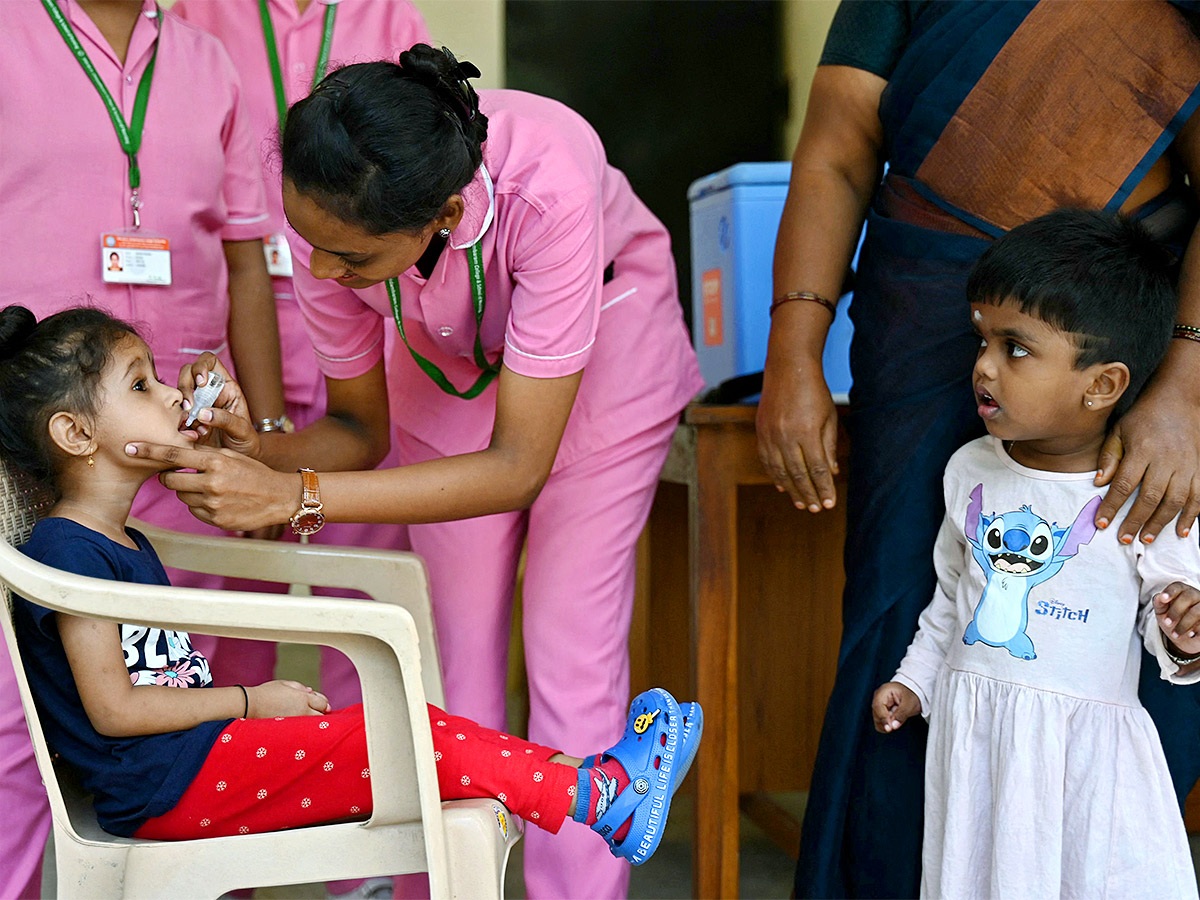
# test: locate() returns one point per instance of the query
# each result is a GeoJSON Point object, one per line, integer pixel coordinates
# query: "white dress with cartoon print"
{"type": "Point", "coordinates": [1044, 776]}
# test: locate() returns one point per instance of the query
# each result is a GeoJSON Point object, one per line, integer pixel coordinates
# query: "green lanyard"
{"type": "Point", "coordinates": [273, 54]}
{"type": "Point", "coordinates": [479, 295]}
{"type": "Point", "coordinates": [130, 136]}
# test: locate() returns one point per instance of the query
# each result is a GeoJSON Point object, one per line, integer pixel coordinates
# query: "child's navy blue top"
{"type": "Point", "coordinates": [132, 778]}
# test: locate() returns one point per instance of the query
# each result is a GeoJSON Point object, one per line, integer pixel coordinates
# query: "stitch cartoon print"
{"type": "Point", "coordinates": [1017, 551]}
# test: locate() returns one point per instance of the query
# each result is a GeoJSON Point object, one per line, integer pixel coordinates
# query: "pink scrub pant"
{"type": "Point", "coordinates": [22, 797]}
{"type": "Point", "coordinates": [581, 536]}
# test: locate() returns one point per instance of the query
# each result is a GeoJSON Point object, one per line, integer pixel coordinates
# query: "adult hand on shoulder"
{"type": "Point", "coordinates": [285, 698]}
{"type": "Point", "coordinates": [227, 489]}
{"type": "Point", "coordinates": [797, 433]}
{"type": "Point", "coordinates": [1155, 445]}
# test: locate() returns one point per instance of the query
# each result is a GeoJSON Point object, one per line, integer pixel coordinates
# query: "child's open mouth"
{"type": "Point", "coordinates": [988, 407]}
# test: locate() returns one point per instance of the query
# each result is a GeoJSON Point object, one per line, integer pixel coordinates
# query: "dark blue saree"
{"type": "Point", "coordinates": [995, 113]}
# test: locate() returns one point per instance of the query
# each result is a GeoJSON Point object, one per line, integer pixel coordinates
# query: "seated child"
{"type": "Point", "coordinates": [132, 708]}
{"type": "Point", "coordinates": [1044, 776]}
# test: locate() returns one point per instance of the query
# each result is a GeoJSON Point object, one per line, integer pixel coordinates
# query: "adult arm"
{"type": "Point", "coordinates": [254, 329]}
{"type": "Point", "coordinates": [834, 172]}
{"type": "Point", "coordinates": [239, 492]}
{"type": "Point", "coordinates": [1157, 443]}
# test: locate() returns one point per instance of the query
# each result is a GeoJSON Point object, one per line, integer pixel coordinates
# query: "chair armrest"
{"type": "Point", "coordinates": [380, 639]}
{"type": "Point", "coordinates": [390, 576]}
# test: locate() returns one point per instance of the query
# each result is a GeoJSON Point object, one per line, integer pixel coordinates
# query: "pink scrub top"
{"type": "Point", "coordinates": [550, 215]}
{"type": "Point", "coordinates": [64, 178]}
{"type": "Point", "coordinates": [364, 30]}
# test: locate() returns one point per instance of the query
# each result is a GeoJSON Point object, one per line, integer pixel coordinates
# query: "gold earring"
{"type": "Point", "coordinates": [91, 462]}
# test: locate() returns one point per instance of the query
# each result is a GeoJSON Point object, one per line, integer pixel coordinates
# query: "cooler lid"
{"type": "Point", "coordinates": [742, 173]}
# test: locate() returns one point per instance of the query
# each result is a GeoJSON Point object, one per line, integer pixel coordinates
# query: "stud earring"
{"type": "Point", "coordinates": [444, 233]}
{"type": "Point", "coordinates": [91, 462]}
{"type": "Point", "coordinates": [1089, 403]}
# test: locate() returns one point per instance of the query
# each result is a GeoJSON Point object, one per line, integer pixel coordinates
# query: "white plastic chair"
{"type": "Point", "coordinates": [463, 845]}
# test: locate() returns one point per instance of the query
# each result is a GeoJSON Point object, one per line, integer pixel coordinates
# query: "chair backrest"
{"type": "Point", "coordinates": [24, 500]}
{"type": "Point", "coordinates": [405, 787]}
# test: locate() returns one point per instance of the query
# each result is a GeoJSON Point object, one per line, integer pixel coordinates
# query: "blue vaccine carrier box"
{"type": "Point", "coordinates": [734, 220]}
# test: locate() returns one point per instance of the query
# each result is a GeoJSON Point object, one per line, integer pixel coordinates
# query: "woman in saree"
{"type": "Point", "coordinates": [987, 115]}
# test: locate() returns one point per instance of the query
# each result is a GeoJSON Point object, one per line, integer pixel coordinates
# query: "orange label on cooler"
{"type": "Point", "coordinates": [710, 295]}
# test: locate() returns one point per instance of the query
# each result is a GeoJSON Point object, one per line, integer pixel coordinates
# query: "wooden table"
{"type": "Point", "coordinates": [758, 625]}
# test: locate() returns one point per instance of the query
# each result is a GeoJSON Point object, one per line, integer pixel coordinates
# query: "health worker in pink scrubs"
{"type": "Point", "coordinates": [545, 368]}
{"type": "Point", "coordinates": [280, 49]}
{"type": "Point", "coordinates": [174, 189]}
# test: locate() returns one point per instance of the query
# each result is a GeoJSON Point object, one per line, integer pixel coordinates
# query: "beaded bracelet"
{"type": "Point", "coordinates": [1187, 332]}
{"type": "Point", "coordinates": [828, 304]}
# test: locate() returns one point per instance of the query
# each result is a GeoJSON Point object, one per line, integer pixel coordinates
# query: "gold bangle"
{"type": "Point", "coordinates": [803, 295]}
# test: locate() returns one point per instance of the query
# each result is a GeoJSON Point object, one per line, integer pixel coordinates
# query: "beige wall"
{"type": "Point", "coordinates": [473, 29]}
{"type": "Point", "coordinates": [805, 24]}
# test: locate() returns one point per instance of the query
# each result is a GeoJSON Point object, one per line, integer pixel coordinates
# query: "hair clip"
{"type": "Point", "coordinates": [461, 72]}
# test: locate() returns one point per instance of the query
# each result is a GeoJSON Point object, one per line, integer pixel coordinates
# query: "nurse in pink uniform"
{"type": "Point", "coordinates": [302, 39]}
{"type": "Point", "coordinates": [66, 181]}
{"type": "Point", "coordinates": [548, 366]}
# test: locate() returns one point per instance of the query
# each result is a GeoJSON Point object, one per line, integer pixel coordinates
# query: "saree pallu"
{"type": "Point", "coordinates": [996, 113]}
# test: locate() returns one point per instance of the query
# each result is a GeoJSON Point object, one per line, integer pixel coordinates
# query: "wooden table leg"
{"type": "Point", "coordinates": [712, 546]}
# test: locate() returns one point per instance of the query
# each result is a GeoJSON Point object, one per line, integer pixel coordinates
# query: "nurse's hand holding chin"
{"type": "Point", "coordinates": [226, 488]}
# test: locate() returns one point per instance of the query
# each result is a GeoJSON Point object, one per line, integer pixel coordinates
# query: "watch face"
{"type": "Point", "coordinates": [307, 521]}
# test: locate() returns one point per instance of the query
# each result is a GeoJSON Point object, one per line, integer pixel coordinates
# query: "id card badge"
{"type": "Point", "coordinates": [135, 259]}
{"type": "Point", "coordinates": [278, 254]}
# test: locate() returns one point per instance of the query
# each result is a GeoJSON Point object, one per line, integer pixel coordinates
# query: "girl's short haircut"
{"type": "Point", "coordinates": [1100, 277]}
{"type": "Point", "coordinates": [384, 145]}
{"type": "Point", "coordinates": [47, 367]}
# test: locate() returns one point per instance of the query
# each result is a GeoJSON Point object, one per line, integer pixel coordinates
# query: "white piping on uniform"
{"type": "Point", "coordinates": [243, 220]}
{"type": "Point", "coordinates": [509, 345]}
{"type": "Point", "coordinates": [348, 358]}
{"type": "Point", "coordinates": [491, 211]}
{"type": "Point", "coordinates": [617, 299]}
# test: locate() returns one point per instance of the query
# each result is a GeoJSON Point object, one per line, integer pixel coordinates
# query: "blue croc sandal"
{"type": "Point", "coordinates": [649, 752]}
{"type": "Point", "coordinates": [689, 739]}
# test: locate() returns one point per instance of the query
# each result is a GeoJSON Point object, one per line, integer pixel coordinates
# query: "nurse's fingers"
{"type": "Point", "coordinates": [237, 431]}
{"type": "Point", "coordinates": [174, 457]}
{"type": "Point", "coordinates": [195, 375]}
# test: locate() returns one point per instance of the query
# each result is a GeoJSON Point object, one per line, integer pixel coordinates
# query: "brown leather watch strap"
{"type": "Point", "coordinates": [311, 488]}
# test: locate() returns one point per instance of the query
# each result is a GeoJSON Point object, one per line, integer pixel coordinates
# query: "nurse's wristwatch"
{"type": "Point", "coordinates": [308, 519]}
